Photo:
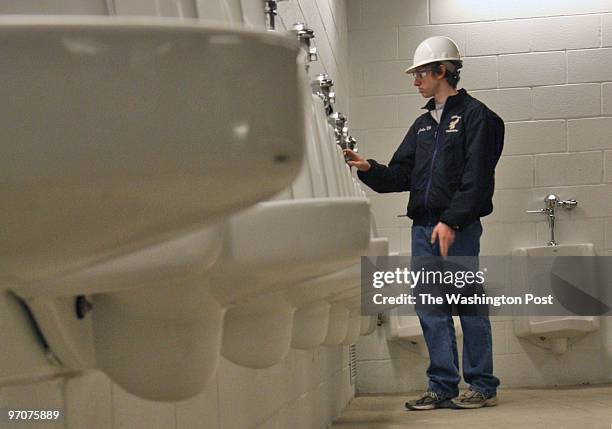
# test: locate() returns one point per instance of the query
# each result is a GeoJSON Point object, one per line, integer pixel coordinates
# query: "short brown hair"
{"type": "Point", "coordinates": [452, 77]}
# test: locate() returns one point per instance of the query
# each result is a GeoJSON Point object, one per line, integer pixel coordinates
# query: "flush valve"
{"type": "Point", "coordinates": [305, 34]}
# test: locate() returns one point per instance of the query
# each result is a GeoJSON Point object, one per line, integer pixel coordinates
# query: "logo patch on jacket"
{"type": "Point", "coordinates": [453, 123]}
{"type": "Point", "coordinates": [427, 128]}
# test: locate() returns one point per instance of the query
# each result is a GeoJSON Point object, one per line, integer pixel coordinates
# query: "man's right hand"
{"type": "Point", "coordinates": [357, 161]}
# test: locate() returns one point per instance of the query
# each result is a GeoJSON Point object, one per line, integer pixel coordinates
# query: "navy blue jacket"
{"type": "Point", "coordinates": [448, 168]}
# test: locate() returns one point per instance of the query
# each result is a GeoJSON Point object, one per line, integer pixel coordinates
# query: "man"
{"type": "Point", "coordinates": [447, 162]}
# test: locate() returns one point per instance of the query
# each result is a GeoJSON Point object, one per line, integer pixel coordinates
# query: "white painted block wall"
{"type": "Point", "coordinates": [305, 391]}
{"type": "Point", "coordinates": [546, 68]}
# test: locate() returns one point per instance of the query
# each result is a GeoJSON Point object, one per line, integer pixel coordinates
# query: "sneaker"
{"type": "Point", "coordinates": [429, 401]}
{"type": "Point", "coordinates": [474, 399]}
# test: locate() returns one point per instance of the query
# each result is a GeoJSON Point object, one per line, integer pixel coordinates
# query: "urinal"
{"type": "Point", "coordinates": [345, 324]}
{"type": "Point", "coordinates": [338, 326]}
{"type": "Point", "coordinates": [110, 185]}
{"type": "Point", "coordinates": [407, 330]}
{"type": "Point", "coordinates": [368, 325]}
{"type": "Point", "coordinates": [147, 319]}
{"type": "Point", "coordinates": [311, 318]}
{"type": "Point", "coordinates": [532, 271]}
{"type": "Point", "coordinates": [274, 249]}
{"type": "Point", "coordinates": [310, 322]}
{"type": "Point", "coordinates": [165, 8]}
{"type": "Point", "coordinates": [353, 331]}
{"type": "Point", "coordinates": [311, 180]}
{"type": "Point", "coordinates": [269, 311]}
{"type": "Point", "coordinates": [339, 167]}
{"type": "Point", "coordinates": [111, 181]}
{"type": "Point", "coordinates": [351, 300]}
{"type": "Point", "coordinates": [321, 179]}
{"type": "Point", "coordinates": [346, 172]}
{"type": "Point", "coordinates": [325, 149]}
{"type": "Point", "coordinates": [246, 13]}
{"type": "Point", "coordinates": [59, 7]}
{"type": "Point", "coordinates": [253, 15]}
{"type": "Point", "coordinates": [228, 11]}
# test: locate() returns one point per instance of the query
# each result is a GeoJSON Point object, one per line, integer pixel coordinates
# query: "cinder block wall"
{"type": "Point", "coordinates": [305, 391]}
{"type": "Point", "coordinates": [546, 68]}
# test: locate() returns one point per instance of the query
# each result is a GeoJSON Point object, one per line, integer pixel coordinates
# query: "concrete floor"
{"type": "Point", "coordinates": [584, 407]}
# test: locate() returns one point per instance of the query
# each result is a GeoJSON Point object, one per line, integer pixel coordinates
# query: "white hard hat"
{"type": "Point", "coordinates": [437, 48]}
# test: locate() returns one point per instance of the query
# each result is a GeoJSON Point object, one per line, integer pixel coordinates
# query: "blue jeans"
{"type": "Point", "coordinates": [439, 330]}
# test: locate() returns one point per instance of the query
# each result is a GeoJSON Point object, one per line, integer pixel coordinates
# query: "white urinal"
{"type": "Point", "coordinates": [127, 202]}
{"type": "Point", "coordinates": [112, 186]}
{"type": "Point", "coordinates": [407, 330]}
{"type": "Point", "coordinates": [253, 14]}
{"type": "Point", "coordinates": [56, 7]}
{"type": "Point", "coordinates": [340, 168]}
{"type": "Point", "coordinates": [276, 246]}
{"type": "Point", "coordinates": [353, 331]}
{"type": "Point", "coordinates": [228, 11]}
{"type": "Point", "coordinates": [338, 326]}
{"type": "Point", "coordinates": [320, 177]}
{"type": "Point", "coordinates": [302, 186]}
{"type": "Point", "coordinates": [309, 330]}
{"type": "Point", "coordinates": [345, 314]}
{"type": "Point", "coordinates": [271, 248]}
{"type": "Point", "coordinates": [269, 312]}
{"type": "Point", "coordinates": [326, 149]}
{"type": "Point", "coordinates": [531, 269]}
{"type": "Point", "coordinates": [310, 182]}
{"type": "Point", "coordinates": [311, 320]}
{"type": "Point", "coordinates": [247, 13]}
{"type": "Point", "coordinates": [310, 325]}
{"type": "Point", "coordinates": [368, 325]}
{"type": "Point", "coordinates": [351, 300]}
{"type": "Point", "coordinates": [346, 173]}
{"type": "Point", "coordinates": [152, 317]}
{"type": "Point", "coordinates": [162, 8]}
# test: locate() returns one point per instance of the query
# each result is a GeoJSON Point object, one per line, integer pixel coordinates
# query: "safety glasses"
{"type": "Point", "coordinates": [421, 74]}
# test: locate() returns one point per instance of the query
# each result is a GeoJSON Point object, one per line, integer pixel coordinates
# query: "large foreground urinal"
{"type": "Point", "coordinates": [533, 272]}
{"type": "Point", "coordinates": [125, 141]}
{"type": "Point", "coordinates": [146, 319]}
{"type": "Point", "coordinates": [114, 139]}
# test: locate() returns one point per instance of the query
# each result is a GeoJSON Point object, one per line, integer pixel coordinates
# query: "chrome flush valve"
{"type": "Point", "coordinates": [343, 139]}
{"type": "Point", "coordinates": [350, 143]}
{"type": "Point", "coordinates": [552, 202]}
{"type": "Point", "coordinates": [271, 10]}
{"type": "Point", "coordinates": [338, 121]}
{"type": "Point", "coordinates": [322, 87]}
{"type": "Point", "coordinates": [305, 35]}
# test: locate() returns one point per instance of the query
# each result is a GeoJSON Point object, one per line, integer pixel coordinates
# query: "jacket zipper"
{"type": "Point", "coordinates": [433, 159]}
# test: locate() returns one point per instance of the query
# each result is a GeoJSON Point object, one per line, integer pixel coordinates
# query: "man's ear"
{"type": "Point", "coordinates": [442, 71]}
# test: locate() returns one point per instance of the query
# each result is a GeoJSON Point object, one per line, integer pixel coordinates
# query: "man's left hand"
{"type": "Point", "coordinates": [445, 235]}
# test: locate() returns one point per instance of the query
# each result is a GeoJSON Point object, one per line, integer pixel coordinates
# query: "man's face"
{"type": "Point", "coordinates": [427, 81]}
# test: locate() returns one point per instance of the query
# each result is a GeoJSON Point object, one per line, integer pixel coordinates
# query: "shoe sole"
{"type": "Point", "coordinates": [443, 404]}
{"type": "Point", "coordinates": [491, 402]}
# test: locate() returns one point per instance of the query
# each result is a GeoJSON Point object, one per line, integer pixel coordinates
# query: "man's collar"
{"type": "Point", "coordinates": [431, 104]}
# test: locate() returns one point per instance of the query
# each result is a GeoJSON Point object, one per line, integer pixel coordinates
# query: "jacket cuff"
{"type": "Point", "coordinates": [452, 223]}
{"type": "Point", "coordinates": [365, 174]}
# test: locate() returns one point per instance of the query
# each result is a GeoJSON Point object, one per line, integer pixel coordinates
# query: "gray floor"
{"type": "Point", "coordinates": [584, 407]}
